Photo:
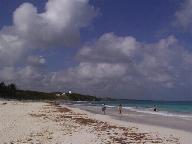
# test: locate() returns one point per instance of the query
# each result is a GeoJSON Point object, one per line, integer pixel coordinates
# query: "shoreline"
{"type": "Point", "coordinates": [143, 118]}
{"type": "Point", "coordinates": [47, 123]}
{"type": "Point", "coordinates": [185, 136]}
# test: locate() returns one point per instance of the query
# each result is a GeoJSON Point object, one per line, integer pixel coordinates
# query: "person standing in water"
{"type": "Point", "coordinates": [155, 108]}
{"type": "Point", "coordinates": [104, 109]}
{"type": "Point", "coordinates": [120, 109]}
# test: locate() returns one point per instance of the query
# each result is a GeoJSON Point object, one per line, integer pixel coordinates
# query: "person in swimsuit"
{"type": "Point", "coordinates": [120, 109]}
{"type": "Point", "coordinates": [104, 109]}
{"type": "Point", "coordinates": [155, 108]}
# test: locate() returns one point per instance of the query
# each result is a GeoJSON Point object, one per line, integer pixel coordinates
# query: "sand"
{"type": "Point", "coordinates": [47, 123]}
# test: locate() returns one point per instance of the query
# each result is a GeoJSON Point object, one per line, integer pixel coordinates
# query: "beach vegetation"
{"type": "Point", "coordinates": [10, 91]}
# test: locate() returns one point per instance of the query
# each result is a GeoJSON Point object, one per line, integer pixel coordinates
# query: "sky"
{"type": "Point", "coordinates": [129, 49]}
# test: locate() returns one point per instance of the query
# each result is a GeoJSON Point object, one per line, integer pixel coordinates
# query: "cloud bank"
{"type": "Point", "coordinates": [112, 65]}
{"type": "Point", "coordinates": [58, 26]}
{"type": "Point", "coordinates": [123, 66]}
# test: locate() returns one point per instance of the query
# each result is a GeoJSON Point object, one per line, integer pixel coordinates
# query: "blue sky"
{"type": "Point", "coordinates": [123, 49]}
{"type": "Point", "coordinates": [142, 19]}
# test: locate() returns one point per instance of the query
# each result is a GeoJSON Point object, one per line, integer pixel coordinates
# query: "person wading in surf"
{"type": "Point", "coordinates": [120, 109]}
{"type": "Point", "coordinates": [104, 109]}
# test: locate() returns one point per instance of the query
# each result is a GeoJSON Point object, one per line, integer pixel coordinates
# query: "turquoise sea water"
{"type": "Point", "coordinates": [165, 108]}
{"type": "Point", "coordinates": [179, 107]}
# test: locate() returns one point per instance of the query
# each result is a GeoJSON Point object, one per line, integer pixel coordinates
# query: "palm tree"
{"type": "Point", "coordinates": [12, 89]}
{"type": "Point", "coordinates": [2, 89]}
{"type": "Point", "coordinates": [8, 91]}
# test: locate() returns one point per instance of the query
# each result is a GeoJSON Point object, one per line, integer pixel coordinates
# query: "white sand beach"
{"type": "Point", "coordinates": [46, 123]}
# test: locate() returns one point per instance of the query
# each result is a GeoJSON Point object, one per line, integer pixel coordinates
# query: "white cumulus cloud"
{"type": "Point", "coordinates": [184, 15]}
{"type": "Point", "coordinates": [121, 65]}
{"type": "Point", "coordinates": [58, 25]}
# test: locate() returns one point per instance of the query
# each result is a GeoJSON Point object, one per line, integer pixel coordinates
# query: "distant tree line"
{"type": "Point", "coordinates": [7, 91]}
{"type": "Point", "coordinates": [80, 97]}
{"type": "Point", "coordinates": [10, 91]}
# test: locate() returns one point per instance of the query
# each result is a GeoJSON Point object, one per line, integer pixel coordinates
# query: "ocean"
{"type": "Point", "coordinates": [165, 108]}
